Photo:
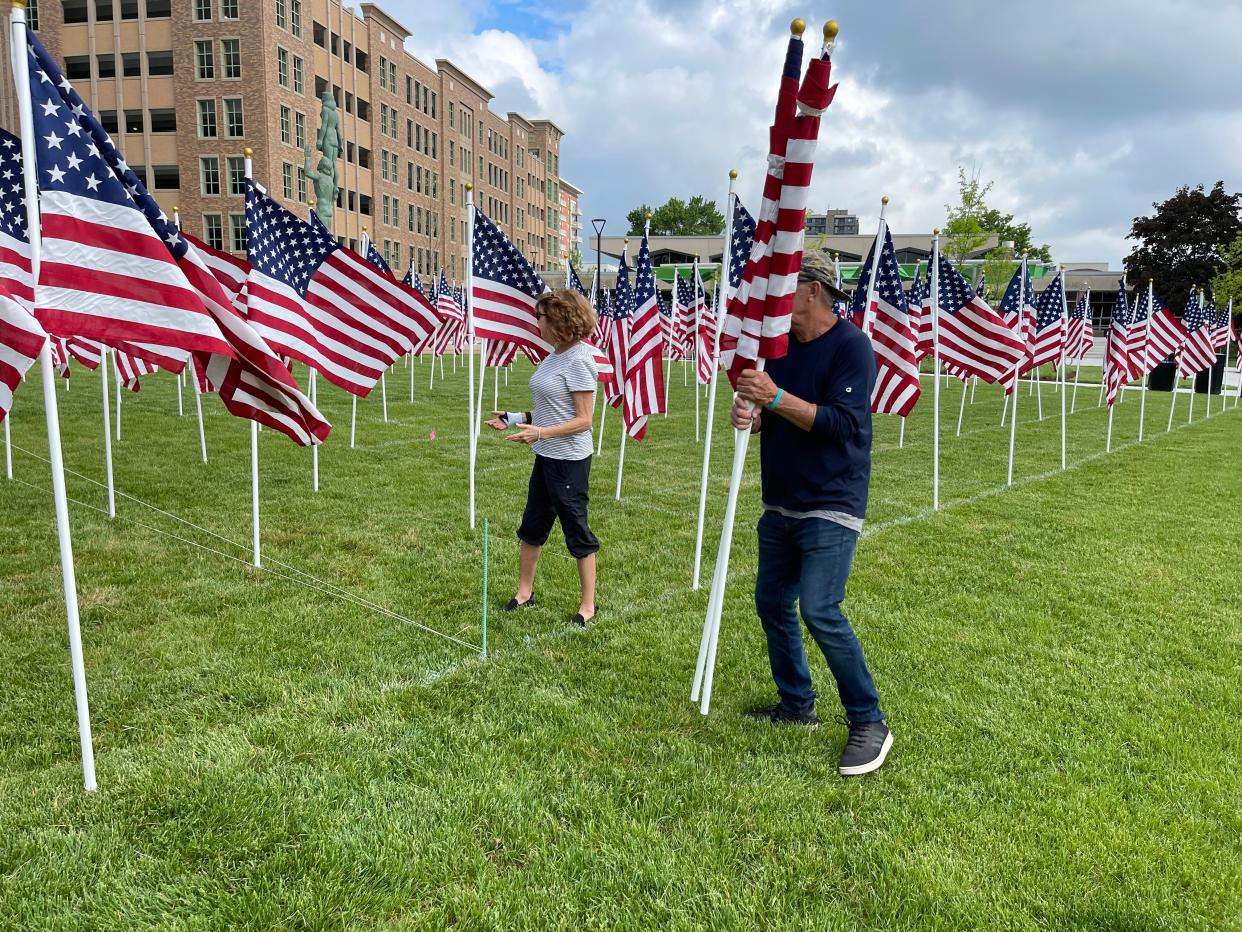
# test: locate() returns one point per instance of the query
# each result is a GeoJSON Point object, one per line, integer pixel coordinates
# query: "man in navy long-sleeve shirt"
{"type": "Point", "coordinates": [812, 410]}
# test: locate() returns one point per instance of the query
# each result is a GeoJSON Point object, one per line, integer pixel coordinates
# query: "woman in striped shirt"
{"type": "Point", "coordinates": [559, 429]}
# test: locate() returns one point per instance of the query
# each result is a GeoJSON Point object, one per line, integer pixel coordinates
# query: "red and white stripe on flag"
{"type": "Point", "coordinates": [757, 324]}
{"type": "Point", "coordinates": [897, 387]}
{"type": "Point", "coordinates": [229, 270]}
{"type": "Point", "coordinates": [130, 369]}
{"type": "Point", "coordinates": [16, 279]}
{"type": "Point", "coordinates": [1166, 337]}
{"type": "Point", "coordinates": [1116, 361]}
{"type": "Point", "coordinates": [21, 339]}
{"type": "Point", "coordinates": [499, 355]}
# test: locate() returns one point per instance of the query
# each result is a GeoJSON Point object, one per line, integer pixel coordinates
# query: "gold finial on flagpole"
{"type": "Point", "coordinates": [19, 4]}
{"type": "Point", "coordinates": [248, 153]}
{"type": "Point", "coordinates": [798, 26]}
{"type": "Point", "coordinates": [469, 186]}
{"type": "Point", "coordinates": [733, 174]}
{"type": "Point", "coordinates": [831, 28]}
{"type": "Point", "coordinates": [884, 200]}
{"type": "Point", "coordinates": [936, 232]}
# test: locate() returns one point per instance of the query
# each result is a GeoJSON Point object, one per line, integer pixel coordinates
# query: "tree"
{"type": "Point", "coordinates": [971, 222]}
{"type": "Point", "coordinates": [696, 217]}
{"type": "Point", "coordinates": [1227, 285]}
{"type": "Point", "coordinates": [1186, 242]}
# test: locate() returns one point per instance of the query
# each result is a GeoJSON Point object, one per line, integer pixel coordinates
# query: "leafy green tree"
{"type": "Point", "coordinates": [970, 222]}
{"type": "Point", "coordinates": [1227, 285]}
{"type": "Point", "coordinates": [1186, 243]}
{"type": "Point", "coordinates": [695, 217]}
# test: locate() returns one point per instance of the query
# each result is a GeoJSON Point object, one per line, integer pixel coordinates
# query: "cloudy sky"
{"type": "Point", "coordinates": [1080, 113]}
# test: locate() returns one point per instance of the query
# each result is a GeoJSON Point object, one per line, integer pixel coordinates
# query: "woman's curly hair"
{"type": "Point", "coordinates": [569, 316]}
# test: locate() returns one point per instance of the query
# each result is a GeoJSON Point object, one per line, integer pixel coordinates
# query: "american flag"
{"type": "Point", "coordinates": [757, 324]}
{"type": "Point", "coordinates": [503, 288]}
{"type": "Point", "coordinates": [105, 274]}
{"type": "Point", "coordinates": [15, 274]}
{"type": "Point", "coordinates": [411, 278]}
{"type": "Point", "coordinates": [574, 281]}
{"type": "Point", "coordinates": [644, 367]}
{"type": "Point", "coordinates": [1197, 352]}
{"type": "Point", "coordinates": [1080, 336]}
{"type": "Point", "coordinates": [322, 304]}
{"type": "Point", "coordinates": [740, 242]}
{"type": "Point", "coordinates": [1136, 338]}
{"type": "Point", "coordinates": [1220, 325]}
{"type": "Point", "coordinates": [1048, 331]}
{"type": "Point", "coordinates": [892, 336]}
{"type": "Point", "coordinates": [1166, 336]}
{"type": "Point", "coordinates": [974, 339]}
{"type": "Point", "coordinates": [681, 317]}
{"type": "Point", "coordinates": [21, 339]}
{"type": "Point", "coordinates": [603, 319]}
{"type": "Point", "coordinates": [84, 351]}
{"type": "Point", "coordinates": [1017, 308]}
{"type": "Point", "coordinates": [372, 255]}
{"type": "Point", "coordinates": [116, 269]}
{"type": "Point", "coordinates": [918, 302]}
{"type": "Point", "coordinates": [499, 355]}
{"type": "Point", "coordinates": [618, 332]}
{"type": "Point", "coordinates": [447, 305]}
{"type": "Point", "coordinates": [705, 349]}
{"type": "Point", "coordinates": [1117, 357]}
{"type": "Point", "coordinates": [229, 270]}
{"type": "Point", "coordinates": [129, 369]}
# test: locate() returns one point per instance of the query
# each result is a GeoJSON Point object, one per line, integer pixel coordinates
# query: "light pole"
{"type": "Point", "coordinates": [598, 224]}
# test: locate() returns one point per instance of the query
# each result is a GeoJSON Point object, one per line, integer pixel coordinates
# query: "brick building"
{"type": "Point", "coordinates": [184, 86]}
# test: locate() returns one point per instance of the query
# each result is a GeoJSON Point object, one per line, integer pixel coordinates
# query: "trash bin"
{"type": "Point", "coordinates": [1163, 376]}
{"type": "Point", "coordinates": [1216, 374]}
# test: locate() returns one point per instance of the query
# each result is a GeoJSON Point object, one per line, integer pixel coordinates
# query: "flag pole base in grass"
{"type": "Point", "coordinates": [254, 488]}
{"type": "Point", "coordinates": [485, 588]}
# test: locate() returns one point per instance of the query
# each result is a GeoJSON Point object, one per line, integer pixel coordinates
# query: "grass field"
{"type": "Point", "coordinates": [1059, 662]}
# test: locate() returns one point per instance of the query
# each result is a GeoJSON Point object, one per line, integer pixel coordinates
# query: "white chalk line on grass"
{"type": "Point", "coordinates": [315, 583]}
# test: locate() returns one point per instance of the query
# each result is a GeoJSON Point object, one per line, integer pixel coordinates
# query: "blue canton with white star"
{"type": "Point", "coordinates": [1121, 307]}
{"type": "Point", "coordinates": [12, 195]}
{"type": "Point", "coordinates": [496, 259]}
{"type": "Point", "coordinates": [282, 245]}
{"type": "Point", "coordinates": [955, 291]}
{"type": "Point", "coordinates": [375, 258]}
{"type": "Point", "coordinates": [623, 306]}
{"type": "Point", "coordinates": [1019, 294]}
{"type": "Point", "coordinates": [739, 246]}
{"type": "Point", "coordinates": [1049, 306]}
{"type": "Point", "coordinates": [644, 277]}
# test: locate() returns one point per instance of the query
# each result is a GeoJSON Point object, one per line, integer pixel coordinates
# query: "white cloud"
{"type": "Point", "coordinates": [1080, 115]}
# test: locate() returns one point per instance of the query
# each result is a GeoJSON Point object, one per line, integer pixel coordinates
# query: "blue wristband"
{"type": "Point", "coordinates": [776, 400]}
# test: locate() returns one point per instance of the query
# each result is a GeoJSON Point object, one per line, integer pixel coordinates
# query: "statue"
{"type": "Point", "coordinates": [329, 142]}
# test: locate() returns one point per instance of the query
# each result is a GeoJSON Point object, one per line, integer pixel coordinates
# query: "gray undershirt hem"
{"type": "Point", "coordinates": [836, 517]}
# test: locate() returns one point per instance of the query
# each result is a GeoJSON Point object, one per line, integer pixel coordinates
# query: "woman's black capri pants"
{"type": "Point", "coordinates": [559, 489]}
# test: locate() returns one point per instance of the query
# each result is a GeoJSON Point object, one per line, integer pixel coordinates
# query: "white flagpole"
{"type": "Point", "coordinates": [934, 284]}
{"type": "Point", "coordinates": [198, 400]}
{"type": "Point", "coordinates": [1039, 392]}
{"type": "Point", "coordinates": [495, 387]}
{"type": "Point", "coordinates": [254, 430]}
{"type": "Point", "coordinates": [722, 292]}
{"type": "Point", "coordinates": [478, 408]}
{"type": "Point", "coordinates": [875, 252]}
{"type": "Point", "coordinates": [962, 410]}
{"type": "Point", "coordinates": [21, 80]}
{"type": "Point", "coordinates": [468, 299]}
{"type": "Point", "coordinates": [1151, 308]}
{"type": "Point", "coordinates": [8, 452]}
{"type": "Point", "coordinates": [314, 397]}
{"type": "Point", "coordinates": [1013, 423]}
{"type": "Point", "coordinates": [103, 388]}
{"type": "Point", "coordinates": [180, 404]}
{"type": "Point", "coordinates": [353, 419]}
{"type": "Point", "coordinates": [1064, 358]}
{"type": "Point", "coordinates": [384, 394]}
{"type": "Point", "coordinates": [118, 396]}
{"type": "Point", "coordinates": [668, 372]}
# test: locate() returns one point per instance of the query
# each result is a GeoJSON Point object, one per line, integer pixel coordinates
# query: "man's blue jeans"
{"type": "Point", "coordinates": [806, 561]}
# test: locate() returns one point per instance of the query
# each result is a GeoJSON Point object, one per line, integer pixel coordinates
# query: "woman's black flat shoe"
{"type": "Point", "coordinates": [579, 622]}
{"type": "Point", "coordinates": [514, 604]}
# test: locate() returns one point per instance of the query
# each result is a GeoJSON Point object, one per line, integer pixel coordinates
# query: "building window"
{"type": "Point", "coordinates": [213, 231]}
{"type": "Point", "coordinates": [237, 175]}
{"type": "Point", "coordinates": [295, 17]}
{"type": "Point", "coordinates": [204, 60]}
{"type": "Point", "coordinates": [164, 121]}
{"type": "Point", "coordinates": [105, 65]}
{"type": "Point", "coordinates": [107, 119]}
{"type": "Point", "coordinates": [234, 125]}
{"type": "Point", "coordinates": [133, 121]}
{"type": "Point", "coordinates": [282, 67]}
{"type": "Point", "coordinates": [131, 64]}
{"type": "Point", "coordinates": [282, 14]}
{"type": "Point", "coordinates": [284, 125]}
{"type": "Point", "coordinates": [238, 223]}
{"type": "Point", "coordinates": [159, 63]}
{"type": "Point", "coordinates": [202, 10]}
{"type": "Point", "coordinates": [286, 178]}
{"type": "Point", "coordinates": [166, 177]}
{"type": "Point", "coordinates": [383, 75]}
{"type": "Point", "coordinates": [392, 77]}
{"type": "Point", "coordinates": [75, 11]}
{"type": "Point", "coordinates": [157, 9]}
{"type": "Point", "coordinates": [302, 184]}
{"type": "Point", "coordinates": [230, 56]}
{"type": "Point", "coordinates": [209, 175]}
{"type": "Point", "coordinates": [228, 9]}
{"type": "Point", "coordinates": [299, 125]}
{"type": "Point", "coordinates": [78, 67]}
{"type": "Point", "coordinates": [299, 79]}
{"type": "Point", "coordinates": [32, 13]}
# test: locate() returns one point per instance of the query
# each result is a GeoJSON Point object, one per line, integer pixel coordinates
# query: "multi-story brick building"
{"type": "Point", "coordinates": [571, 218]}
{"type": "Point", "coordinates": [184, 86]}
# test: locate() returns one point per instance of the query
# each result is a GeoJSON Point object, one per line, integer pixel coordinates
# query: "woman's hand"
{"type": "Point", "coordinates": [527, 435]}
{"type": "Point", "coordinates": [498, 421]}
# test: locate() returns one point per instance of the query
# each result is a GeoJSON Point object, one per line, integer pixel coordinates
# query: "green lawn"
{"type": "Point", "coordinates": [1059, 662]}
